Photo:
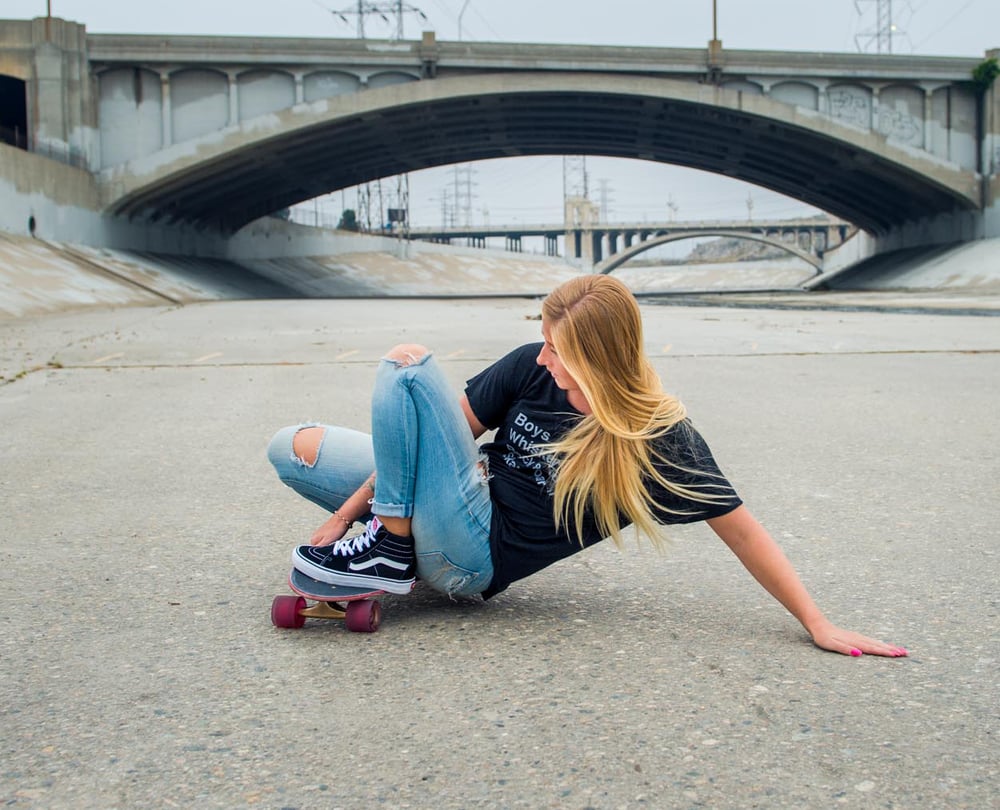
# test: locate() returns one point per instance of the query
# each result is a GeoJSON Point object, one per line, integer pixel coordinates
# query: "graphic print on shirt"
{"type": "Point", "coordinates": [523, 439]}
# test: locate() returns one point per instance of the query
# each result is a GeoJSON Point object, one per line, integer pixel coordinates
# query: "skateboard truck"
{"type": "Point", "coordinates": [358, 608]}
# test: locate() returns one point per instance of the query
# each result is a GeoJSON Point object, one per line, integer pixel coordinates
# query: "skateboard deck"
{"type": "Point", "coordinates": [357, 607]}
{"type": "Point", "coordinates": [306, 586]}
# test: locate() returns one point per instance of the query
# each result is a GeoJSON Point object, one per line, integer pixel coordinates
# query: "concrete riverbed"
{"type": "Point", "coordinates": [145, 535]}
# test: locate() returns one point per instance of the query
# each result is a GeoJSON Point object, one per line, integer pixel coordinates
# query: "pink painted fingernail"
{"type": "Point", "coordinates": [855, 652]}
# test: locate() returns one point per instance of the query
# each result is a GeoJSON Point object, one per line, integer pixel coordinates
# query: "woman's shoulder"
{"type": "Point", "coordinates": [526, 351]}
{"type": "Point", "coordinates": [519, 361]}
{"type": "Point", "coordinates": [682, 442]}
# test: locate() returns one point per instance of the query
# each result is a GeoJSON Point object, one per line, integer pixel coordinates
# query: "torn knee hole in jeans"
{"type": "Point", "coordinates": [307, 456]}
{"type": "Point", "coordinates": [408, 354]}
{"type": "Point", "coordinates": [405, 361]}
{"type": "Point", "coordinates": [483, 466]}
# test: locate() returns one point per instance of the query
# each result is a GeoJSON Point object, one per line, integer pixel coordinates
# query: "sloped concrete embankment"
{"type": "Point", "coordinates": [968, 267]}
{"type": "Point", "coordinates": [38, 277]}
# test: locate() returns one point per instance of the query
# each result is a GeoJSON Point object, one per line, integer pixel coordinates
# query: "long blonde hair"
{"type": "Point", "coordinates": [606, 460]}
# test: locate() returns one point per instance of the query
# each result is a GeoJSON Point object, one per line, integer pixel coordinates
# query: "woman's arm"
{"type": "Point", "coordinates": [762, 557]}
{"type": "Point", "coordinates": [477, 427]}
{"type": "Point", "coordinates": [341, 520]}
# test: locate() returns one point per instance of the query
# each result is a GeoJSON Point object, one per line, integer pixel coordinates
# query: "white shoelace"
{"type": "Point", "coordinates": [350, 546]}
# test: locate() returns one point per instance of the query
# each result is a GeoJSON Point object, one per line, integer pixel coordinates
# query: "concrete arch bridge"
{"type": "Point", "coordinates": [604, 247]}
{"type": "Point", "coordinates": [811, 252]}
{"type": "Point", "coordinates": [214, 132]}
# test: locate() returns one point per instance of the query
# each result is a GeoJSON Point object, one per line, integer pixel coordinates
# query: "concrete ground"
{"type": "Point", "coordinates": [144, 536]}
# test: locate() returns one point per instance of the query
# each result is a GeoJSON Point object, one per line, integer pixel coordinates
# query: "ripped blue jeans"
{"type": "Point", "coordinates": [428, 468]}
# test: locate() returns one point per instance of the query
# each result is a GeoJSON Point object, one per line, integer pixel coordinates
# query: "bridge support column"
{"type": "Point", "coordinates": [572, 241]}
{"type": "Point", "coordinates": [596, 253]}
{"type": "Point", "coordinates": [234, 101]}
{"type": "Point", "coordinates": [991, 155]}
{"type": "Point", "coordinates": [51, 55]}
{"type": "Point", "coordinates": [166, 111]}
{"type": "Point", "coordinates": [928, 114]}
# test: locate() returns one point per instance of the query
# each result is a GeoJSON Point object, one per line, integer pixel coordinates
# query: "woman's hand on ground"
{"type": "Point", "coordinates": [836, 639]}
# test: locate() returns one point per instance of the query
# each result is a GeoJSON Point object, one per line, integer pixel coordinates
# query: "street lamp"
{"type": "Point", "coordinates": [715, 46]}
{"type": "Point", "coordinates": [465, 5]}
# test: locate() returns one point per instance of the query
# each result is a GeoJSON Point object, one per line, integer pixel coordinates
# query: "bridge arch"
{"type": "Point", "coordinates": [322, 84]}
{"type": "Point", "coordinates": [131, 111]}
{"type": "Point", "coordinates": [264, 90]}
{"type": "Point", "coordinates": [386, 78]}
{"type": "Point", "coordinates": [617, 260]}
{"type": "Point", "coordinates": [199, 103]}
{"type": "Point", "coordinates": [227, 178]}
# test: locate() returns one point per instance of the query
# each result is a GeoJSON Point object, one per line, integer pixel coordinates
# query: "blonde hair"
{"type": "Point", "coordinates": [606, 461]}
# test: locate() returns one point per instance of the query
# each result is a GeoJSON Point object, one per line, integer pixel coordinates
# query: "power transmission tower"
{"type": "Point", "coordinates": [575, 177]}
{"type": "Point", "coordinates": [364, 214]}
{"type": "Point", "coordinates": [604, 196]}
{"type": "Point", "coordinates": [671, 207]}
{"type": "Point", "coordinates": [463, 193]}
{"type": "Point", "coordinates": [398, 209]}
{"type": "Point", "coordinates": [396, 9]}
{"type": "Point", "coordinates": [447, 211]}
{"type": "Point", "coordinates": [885, 29]}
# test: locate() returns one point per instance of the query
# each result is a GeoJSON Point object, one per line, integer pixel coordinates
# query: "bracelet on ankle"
{"type": "Point", "coordinates": [348, 522]}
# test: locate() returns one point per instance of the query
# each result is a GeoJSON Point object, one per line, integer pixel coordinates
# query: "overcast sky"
{"type": "Point", "coordinates": [530, 189]}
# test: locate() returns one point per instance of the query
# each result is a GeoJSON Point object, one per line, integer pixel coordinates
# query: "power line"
{"type": "Point", "coordinates": [938, 29]}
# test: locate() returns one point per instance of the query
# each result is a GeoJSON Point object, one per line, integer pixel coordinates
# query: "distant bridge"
{"type": "Point", "coordinates": [605, 246]}
{"type": "Point", "coordinates": [214, 132]}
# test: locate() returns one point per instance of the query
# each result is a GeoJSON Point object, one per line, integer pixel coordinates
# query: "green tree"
{"type": "Point", "coordinates": [348, 220]}
{"type": "Point", "coordinates": [985, 73]}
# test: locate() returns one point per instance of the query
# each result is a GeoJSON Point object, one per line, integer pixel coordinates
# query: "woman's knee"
{"type": "Point", "coordinates": [306, 444]}
{"type": "Point", "coordinates": [407, 354]}
{"type": "Point", "coordinates": [296, 445]}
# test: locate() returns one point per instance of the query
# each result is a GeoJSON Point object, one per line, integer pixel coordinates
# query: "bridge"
{"type": "Point", "coordinates": [605, 246]}
{"type": "Point", "coordinates": [214, 132]}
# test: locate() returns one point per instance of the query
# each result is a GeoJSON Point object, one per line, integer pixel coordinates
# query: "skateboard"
{"type": "Point", "coordinates": [357, 607]}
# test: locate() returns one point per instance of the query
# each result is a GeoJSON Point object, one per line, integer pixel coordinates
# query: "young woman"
{"type": "Point", "coordinates": [587, 443]}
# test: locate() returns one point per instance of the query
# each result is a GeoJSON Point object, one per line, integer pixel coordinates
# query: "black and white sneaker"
{"type": "Point", "coordinates": [373, 559]}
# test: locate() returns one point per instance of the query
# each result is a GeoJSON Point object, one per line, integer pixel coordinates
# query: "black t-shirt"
{"type": "Point", "coordinates": [521, 401]}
